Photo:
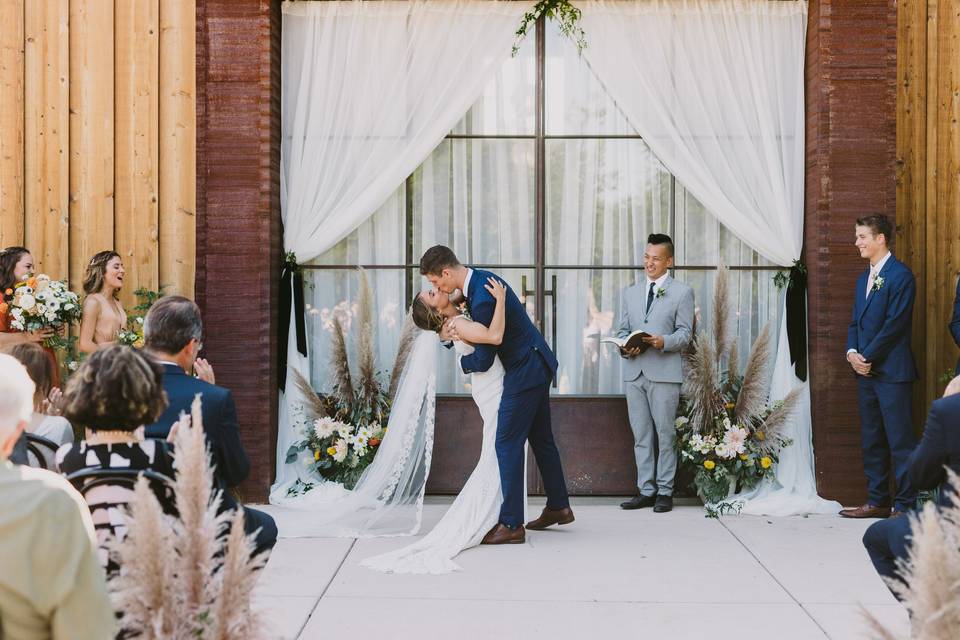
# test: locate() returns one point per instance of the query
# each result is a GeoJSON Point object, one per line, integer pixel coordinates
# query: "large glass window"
{"type": "Point", "coordinates": [545, 182]}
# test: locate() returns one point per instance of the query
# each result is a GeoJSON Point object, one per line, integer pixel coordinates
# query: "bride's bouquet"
{"type": "Point", "coordinates": [729, 434]}
{"type": "Point", "coordinates": [42, 303]}
{"type": "Point", "coordinates": [341, 431]}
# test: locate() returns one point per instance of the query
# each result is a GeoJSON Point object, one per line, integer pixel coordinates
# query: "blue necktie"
{"type": "Point", "coordinates": [650, 296]}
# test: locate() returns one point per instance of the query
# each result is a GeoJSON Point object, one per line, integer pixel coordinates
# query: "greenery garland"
{"type": "Point", "coordinates": [565, 14]}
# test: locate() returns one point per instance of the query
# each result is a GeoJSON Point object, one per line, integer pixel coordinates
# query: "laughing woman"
{"type": "Point", "coordinates": [103, 315]}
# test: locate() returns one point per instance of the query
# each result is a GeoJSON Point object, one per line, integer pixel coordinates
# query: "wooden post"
{"type": "Point", "coordinates": [178, 145]}
{"type": "Point", "coordinates": [11, 123]}
{"type": "Point", "coordinates": [47, 127]}
{"type": "Point", "coordinates": [91, 132]}
{"type": "Point", "coordinates": [137, 144]}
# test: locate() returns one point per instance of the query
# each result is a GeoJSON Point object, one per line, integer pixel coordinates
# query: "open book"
{"type": "Point", "coordinates": [632, 341]}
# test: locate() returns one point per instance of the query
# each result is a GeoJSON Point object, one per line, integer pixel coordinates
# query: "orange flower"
{"type": "Point", "coordinates": [9, 292]}
{"type": "Point", "coordinates": [374, 442]}
{"type": "Point", "coordinates": [3, 308]}
{"type": "Point", "coordinates": [32, 283]}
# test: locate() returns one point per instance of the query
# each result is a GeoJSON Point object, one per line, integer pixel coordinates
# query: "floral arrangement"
{"type": "Point", "coordinates": [132, 334]}
{"type": "Point", "coordinates": [729, 434]}
{"type": "Point", "coordinates": [341, 431]}
{"type": "Point", "coordinates": [40, 302]}
{"type": "Point", "coordinates": [566, 15]}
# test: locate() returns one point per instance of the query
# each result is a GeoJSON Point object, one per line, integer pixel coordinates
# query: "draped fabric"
{"type": "Point", "coordinates": [368, 90]}
{"type": "Point", "coordinates": [715, 87]}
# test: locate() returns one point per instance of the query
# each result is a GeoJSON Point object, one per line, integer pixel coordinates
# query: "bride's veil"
{"type": "Point", "coordinates": [388, 498]}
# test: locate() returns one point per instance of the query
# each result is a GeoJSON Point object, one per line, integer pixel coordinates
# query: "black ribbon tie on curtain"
{"type": "Point", "coordinates": [291, 293]}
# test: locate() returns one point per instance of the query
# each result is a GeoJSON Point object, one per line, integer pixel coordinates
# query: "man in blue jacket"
{"type": "Point", "coordinates": [878, 350]}
{"type": "Point", "coordinates": [955, 322]}
{"type": "Point", "coordinates": [172, 334]}
{"type": "Point", "coordinates": [889, 540]}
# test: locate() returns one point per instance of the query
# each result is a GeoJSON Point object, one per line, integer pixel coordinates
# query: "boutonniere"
{"type": "Point", "coordinates": [877, 284]}
{"type": "Point", "coordinates": [464, 310]}
{"type": "Point", "coordinates": [660, 292]}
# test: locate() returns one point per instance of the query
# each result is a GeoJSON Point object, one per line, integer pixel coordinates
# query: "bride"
{"type": "Point", "coordinates": [476, 508]}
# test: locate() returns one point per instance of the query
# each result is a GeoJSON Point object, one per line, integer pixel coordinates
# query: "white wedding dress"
{"type": "Point", "coordinates": [475, 510]}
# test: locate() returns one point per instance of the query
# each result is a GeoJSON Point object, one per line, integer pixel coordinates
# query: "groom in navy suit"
{"type": "Point", "coordinates": [530, 367]}
{"type": "Point", "coordinates": [878, 350]}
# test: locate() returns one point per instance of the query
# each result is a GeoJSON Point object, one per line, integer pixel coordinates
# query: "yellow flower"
{"type": "Point", "coordinates": [729, 406]}
{"type": "Point", "coordinates": [138, 344]}
{"type": "Point", "coordinates": [765, 462]}
{"type": "Point", "coordinates": [761, 436]}
{"type": "Point", "coordinates": [709, 464]}
{"type": "Point", "coordinates": [331, 451]}
{"type": "Point", "coordinates": [316, 454]}
{"type": "Point", "coordinates": [744, 456]}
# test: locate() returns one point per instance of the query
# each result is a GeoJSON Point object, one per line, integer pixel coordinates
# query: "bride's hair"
{"type": "Point", "coordinates": [425, 317]}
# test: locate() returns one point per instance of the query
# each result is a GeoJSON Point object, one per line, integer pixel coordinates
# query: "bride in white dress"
{"type": "Point", "coordinates": [476, 509]}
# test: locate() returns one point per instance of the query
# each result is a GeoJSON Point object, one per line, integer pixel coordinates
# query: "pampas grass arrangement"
{"type": "Point", "coordinates": [179, 577]}
{"type": "Point", "coordinates": [340, 362]}
{"type": "Point", "coordinates": [369, 386]}
{"type": "Point", "coordinates": [930, 589]}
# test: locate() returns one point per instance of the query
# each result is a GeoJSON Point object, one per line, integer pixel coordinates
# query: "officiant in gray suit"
{"type": "Point", "coordinates": [663, 308]}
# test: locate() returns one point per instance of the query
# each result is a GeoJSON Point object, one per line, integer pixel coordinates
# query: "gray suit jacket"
{"type": "Point", "coordinates": [670, 316]}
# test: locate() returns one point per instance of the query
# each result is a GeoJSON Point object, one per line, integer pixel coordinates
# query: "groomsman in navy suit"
{"type": "Point", "coordinates": [878, 350]}
{"type": "Point", "coordinates": [955, 322]}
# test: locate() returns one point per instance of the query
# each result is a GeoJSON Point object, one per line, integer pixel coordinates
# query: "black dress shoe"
{"type": "Point", "coordinates": [639, 502]}
{"type": "Point", "coordinates": [664, 504]}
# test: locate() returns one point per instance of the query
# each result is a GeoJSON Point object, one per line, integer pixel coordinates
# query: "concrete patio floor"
{"type": "Point", "coordinates": [611, 574]}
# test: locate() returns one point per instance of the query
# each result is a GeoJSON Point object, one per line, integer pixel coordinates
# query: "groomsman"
{"type": "Point", "coordinates": [878, 350]}
{"type": "Point", "coordinates": [662, 307]}
{"type": "Point", "coordinates": [955, 322]}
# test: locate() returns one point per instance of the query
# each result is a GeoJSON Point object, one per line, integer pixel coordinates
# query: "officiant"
{"type": "Point", "coordinates": [663, 308]}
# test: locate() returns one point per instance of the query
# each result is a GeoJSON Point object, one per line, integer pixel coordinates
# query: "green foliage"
{"type": "Point", "coordinates": [784, 279]}
{"type": "Point", "coordinates": [566, 16]}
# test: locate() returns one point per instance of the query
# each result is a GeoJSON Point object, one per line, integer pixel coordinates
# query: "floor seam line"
{"type": "Point", "coordinates": [774, 578]}
{"type": "Point", "coordinates": [325, 588]}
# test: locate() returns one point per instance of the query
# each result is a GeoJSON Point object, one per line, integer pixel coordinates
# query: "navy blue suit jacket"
{"type": "Point", "coordinates": [523, 350]}
{"type": "Point", "coordinates": [219, 424]}
{"type": "Point", "coordinates": [882, 324]}
{"type": "Point", "coordinates": [955, 322]}
{"type": "Point", "coordinates": [939, 447]}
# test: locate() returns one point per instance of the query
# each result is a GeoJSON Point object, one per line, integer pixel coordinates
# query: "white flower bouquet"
{"type": "Point", "coordinates": [41, 303]}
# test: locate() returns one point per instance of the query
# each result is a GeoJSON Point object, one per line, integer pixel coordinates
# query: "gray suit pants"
{"type": "Point", "coordinates": [653, 413]}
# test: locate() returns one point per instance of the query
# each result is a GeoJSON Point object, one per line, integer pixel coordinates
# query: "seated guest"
{"type": "Point", "coordinates": [45, 422]}
{"type": "Point", "coordinates": [172, 334]}
{"type": "Point", "coordinates": [112, 395]}
{"type": "Point", "coordinates": [51, 585]}
{"type": "Point", "coordinates": [955, 322]}
{"type": "Point", "coordinates": [888, 540]}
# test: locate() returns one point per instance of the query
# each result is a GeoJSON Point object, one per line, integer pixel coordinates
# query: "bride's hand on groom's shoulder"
{"type": "Point", "coordinates": [447, 331]}
{"type": "Point", "coordinates": [496, 289]}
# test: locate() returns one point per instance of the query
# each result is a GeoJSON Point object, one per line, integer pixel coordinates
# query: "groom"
{"type": "Point", "coordinates": [530, 367]}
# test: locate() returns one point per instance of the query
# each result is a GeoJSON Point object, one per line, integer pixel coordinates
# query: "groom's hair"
{"type": "Point", "coordinates": [878, 224]}
{"type": "Point", "coordinates": [661, 238]}
{"type": "Point", "coordinates": [436, 259]}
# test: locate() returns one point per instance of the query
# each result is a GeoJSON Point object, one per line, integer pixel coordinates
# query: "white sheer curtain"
{"type": "Point", "coordinates": [716, 90]}
{"type": "Point", "coordinates": [369, 89]}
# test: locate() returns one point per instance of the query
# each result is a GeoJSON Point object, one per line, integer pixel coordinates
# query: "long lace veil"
{"type": "Point", "coordinates": [388, 498]}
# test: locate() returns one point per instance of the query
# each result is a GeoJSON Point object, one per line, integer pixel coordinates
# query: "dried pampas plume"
{"type": "Point", "coordinates": [179, 578]}
{"type": "Point", "coordinates": [733, 359]}
{"type": "Point", "coordinates": [403, 352]}
{"type": "Point", "coordinates": [700, 384]}
{"type": "Point", "coordinates": [369, 387]}
{"type": "Point", "coordinates": [752, 399]}
{"type": "Point", "coordinates": [312, 403]}
{"type": "Point", "coordinates": [721, 312]}
{"type": "Point", "coordinates": [773, 426]}
{"type": "Point", "coordinates": [342, 382]}
{"type": "Point", "coordinates": [930, 589]}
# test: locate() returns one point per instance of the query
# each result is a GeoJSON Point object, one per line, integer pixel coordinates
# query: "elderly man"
{"type": "Point", "coordinates": [51, 583]}
{"type": "Point", "coordinates": [172, 332]}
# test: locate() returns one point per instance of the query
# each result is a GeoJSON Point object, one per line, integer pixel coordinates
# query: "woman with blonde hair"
{"type": "Point", "coordinates": [103, 315]}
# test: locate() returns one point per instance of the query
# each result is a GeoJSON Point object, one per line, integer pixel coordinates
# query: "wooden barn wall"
{"type": "Point", "coordinates": [98, 136]}
{"type": "Point", "coordinates": [928, 180]}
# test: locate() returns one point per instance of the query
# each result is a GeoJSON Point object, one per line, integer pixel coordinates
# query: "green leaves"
{"type": "Point", "coordinates": [563, 13]}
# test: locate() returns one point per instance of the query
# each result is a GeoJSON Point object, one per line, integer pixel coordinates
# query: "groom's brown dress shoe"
{"type": "Point", "coordinates": [551, 517]}
{"type": "Point", "coordinates": [502, 534]}
{"type": "Point", "coordinates": [866, 511]}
